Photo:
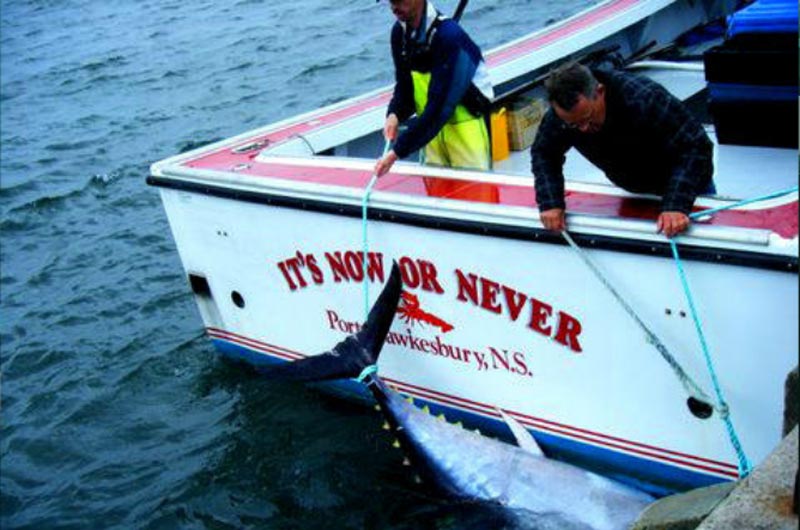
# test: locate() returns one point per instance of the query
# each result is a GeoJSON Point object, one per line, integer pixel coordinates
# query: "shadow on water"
{"type": "Point", "coordinates": [293, 457]}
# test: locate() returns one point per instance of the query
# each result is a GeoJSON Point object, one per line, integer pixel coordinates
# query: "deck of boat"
{"type": "Point", "coordinates": [327, 156]}
{"type": "Point", "coordinates": [741, 172]}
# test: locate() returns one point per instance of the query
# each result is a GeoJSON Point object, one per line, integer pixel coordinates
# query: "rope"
{"type": "Point", "coordinates": [744, 463]}
{"type": "Point", "coordinates": [708, 213]}
{"type": "Point", "coordinates": [365, 245]}
{"type": "Point", "coordinates": [722, 405]}
{"type": "Point", "coordinates": [688, 383]}
{"type": "Point", "coordinates": [692, 388]}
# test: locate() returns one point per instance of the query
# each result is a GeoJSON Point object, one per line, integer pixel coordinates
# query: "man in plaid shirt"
{"type": "Point", "coordinates": [642, 137]}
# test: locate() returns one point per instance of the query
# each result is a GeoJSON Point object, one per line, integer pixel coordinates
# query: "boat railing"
{"type": "Point", "coordinates": [518, 217]}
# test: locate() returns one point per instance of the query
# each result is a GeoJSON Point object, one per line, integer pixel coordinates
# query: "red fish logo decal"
{"type": "Point", "coordinates": [411, 312]}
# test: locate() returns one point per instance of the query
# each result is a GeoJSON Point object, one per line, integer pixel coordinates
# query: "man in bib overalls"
{"type": "Point", "coordinates": [442, 80]}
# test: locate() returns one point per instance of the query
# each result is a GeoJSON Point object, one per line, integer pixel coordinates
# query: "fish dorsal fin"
{"type": "Point", "coordinates": [525, 440]}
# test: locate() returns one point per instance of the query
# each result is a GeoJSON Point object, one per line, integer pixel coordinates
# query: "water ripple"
{"type": "Point", "coordinates": [116, 411]}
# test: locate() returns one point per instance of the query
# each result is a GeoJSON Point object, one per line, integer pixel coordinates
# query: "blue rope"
{"type": "Point", "coordinates": [712, 211]}
{"type": "Point", "coordinates": [366, 372]}
{"type": "Point", "coordinates": [365, 245]}
{"type": "Point", "coordinates": [691, 387]}
{"type": "Point", "coordinates": [722, 405]}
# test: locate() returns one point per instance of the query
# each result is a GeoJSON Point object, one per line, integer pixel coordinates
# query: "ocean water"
{"type": "Point", "coordinates": [115, 411]}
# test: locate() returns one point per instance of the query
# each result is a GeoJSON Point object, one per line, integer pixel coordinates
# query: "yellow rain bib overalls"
{"type": "Point", "coordinates": [463, 142]}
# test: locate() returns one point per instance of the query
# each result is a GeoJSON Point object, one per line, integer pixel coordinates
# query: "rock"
{"type": "Point", "coordinates": [791, 401]}
{"type": "Point", "coordinates": [763, 500]}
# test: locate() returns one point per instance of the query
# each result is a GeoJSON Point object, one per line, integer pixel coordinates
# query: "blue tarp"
{"type": "Point", "coordinates": [765, 16]}
{"type": "Point", "coordinates": [733, 92]}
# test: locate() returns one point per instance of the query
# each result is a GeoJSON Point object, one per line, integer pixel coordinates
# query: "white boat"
{"type": "Point", "coordinates": [502, 313]}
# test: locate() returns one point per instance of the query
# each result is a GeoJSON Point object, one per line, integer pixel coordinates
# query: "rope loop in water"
{"type": "Point", "coordinates": [366, 372]}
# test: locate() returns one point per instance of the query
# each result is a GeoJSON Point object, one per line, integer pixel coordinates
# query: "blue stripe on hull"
{"type": "Point", "coordinates": [654, 477]}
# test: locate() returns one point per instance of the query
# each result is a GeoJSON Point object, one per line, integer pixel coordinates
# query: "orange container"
{"type": "Point", "coordinates": [499, 123]}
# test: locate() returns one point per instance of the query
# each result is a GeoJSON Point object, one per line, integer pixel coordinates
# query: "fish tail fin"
{"type": "Point", "coordinates": [348, 358]}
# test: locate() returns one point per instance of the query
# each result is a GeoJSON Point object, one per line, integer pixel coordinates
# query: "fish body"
{"type": "Point", "coordinates": [465, 465]}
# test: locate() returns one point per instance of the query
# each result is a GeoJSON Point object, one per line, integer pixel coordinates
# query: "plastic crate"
{"type": "Point", "coordinates": [524, 117]}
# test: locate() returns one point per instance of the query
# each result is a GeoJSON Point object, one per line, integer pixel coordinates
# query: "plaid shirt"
{"type": "Point", "coordinates": [649, 143]}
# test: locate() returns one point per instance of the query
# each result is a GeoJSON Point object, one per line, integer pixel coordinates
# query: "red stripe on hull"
{"type": "Point", "coordinates": [577, 433]}
{"type": "Point", "coordinates": [559, 32]}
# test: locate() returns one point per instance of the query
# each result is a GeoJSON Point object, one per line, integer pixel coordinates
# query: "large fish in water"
{"type": "Point", "coordinates": [465, 465]}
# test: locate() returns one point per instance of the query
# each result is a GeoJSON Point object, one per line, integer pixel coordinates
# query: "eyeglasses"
{"type": "Point", "coordinates": [585, 122]}
{"type": "Point", "coordinates": [590, 108]}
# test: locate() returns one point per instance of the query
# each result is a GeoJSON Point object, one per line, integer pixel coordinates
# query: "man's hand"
{"type": "Point", "coordinates": [553, 219]}
{"type": "Point", "coordinates": [383, 165]}
{"type": "Point", "coordinates": [390, 127]}
{"type": "Point", "coordinates": [672, 223]}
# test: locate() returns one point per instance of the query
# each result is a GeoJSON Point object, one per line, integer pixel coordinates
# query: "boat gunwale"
{"type": "Point", "coordinates": [655, 245]}
{"type": "Point", "coordinates": [721, 230]}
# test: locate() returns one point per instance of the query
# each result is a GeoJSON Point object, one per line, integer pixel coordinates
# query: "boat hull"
{"type": "Point", "coordinates": [511, 323]}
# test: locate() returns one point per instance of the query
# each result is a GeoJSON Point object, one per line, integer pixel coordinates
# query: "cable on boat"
{"type": "Point", "coordinates": [305, 141]}
{"type": "Point", "coordinates": [688, 383]}
{"type": "Point", "coordinates": [365, 245]}
{"type": "Point", "coordinates": [744, 463]}
{"type": "Point", "coordinates": [711, 211]}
